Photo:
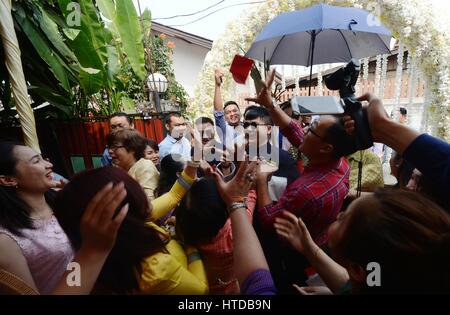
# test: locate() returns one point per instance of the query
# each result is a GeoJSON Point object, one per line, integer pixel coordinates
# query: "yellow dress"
{"type": "Point", "coordinates": [170, 272]}
{"type": "Point", "coordinates": [147, 175]}
{"type": "Point", "coordinates": [163, 204]}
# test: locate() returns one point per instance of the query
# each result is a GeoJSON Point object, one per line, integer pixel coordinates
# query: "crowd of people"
{"type": "Point", "coordinates": [261, 202]}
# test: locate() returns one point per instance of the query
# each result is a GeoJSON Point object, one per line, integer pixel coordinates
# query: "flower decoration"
{"type": "Point", "coordinates": [424, 36]}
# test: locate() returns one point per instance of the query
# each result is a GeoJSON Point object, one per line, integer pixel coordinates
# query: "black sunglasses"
{"type": "Point", "coordinates": [253, 124]}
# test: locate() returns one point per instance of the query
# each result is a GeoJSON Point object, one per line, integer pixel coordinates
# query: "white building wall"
{"type": "Point", "coordinates": [187, 62]}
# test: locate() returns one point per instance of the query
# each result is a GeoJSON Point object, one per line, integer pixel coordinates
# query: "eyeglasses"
{"type": "Point", "coordinates": [115, 147]}
{"type": "Point", "coordinates": [253, 124]}
{"type": "Point", "coordinates": [310, 129]}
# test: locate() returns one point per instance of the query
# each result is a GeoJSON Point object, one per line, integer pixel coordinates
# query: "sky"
{"type": "Point", "coordinates": [209, 27]}
{"type": "Point", "coordinates": [212, 26]}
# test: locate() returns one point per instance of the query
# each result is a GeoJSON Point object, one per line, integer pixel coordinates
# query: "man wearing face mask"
{"type": "Point", "coordinates": [175, 142]}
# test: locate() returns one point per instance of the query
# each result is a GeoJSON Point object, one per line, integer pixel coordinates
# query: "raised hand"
{"type": "Point", "coordinates": [292, 229]}
{"type": "Point", "coordinates": [265, 171]}
{"type": "Point", "coordinates": [237, 188]}
{"type": "Point", "coordinates": [99, 226]}
{"type": "Point", "coordinates": [376, 115]}
{"type": "Point", "coordinates": [264, 97]}
{"type": "Point", "coordinates": [218, 76]}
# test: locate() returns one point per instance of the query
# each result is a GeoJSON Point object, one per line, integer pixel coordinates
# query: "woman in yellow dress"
{"type": "Point", "coordinates": [144, 259]}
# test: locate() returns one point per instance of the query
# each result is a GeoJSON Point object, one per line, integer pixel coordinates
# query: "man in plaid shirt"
{"type": "Point", "coordinates": [317, 195]}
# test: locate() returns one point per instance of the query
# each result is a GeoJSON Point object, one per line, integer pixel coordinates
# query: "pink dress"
{"type": "Point", "coordinates": [47, 250]}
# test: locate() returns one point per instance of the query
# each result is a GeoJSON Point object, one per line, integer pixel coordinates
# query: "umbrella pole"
{"type": "Point", "coordinates": [313, 41]}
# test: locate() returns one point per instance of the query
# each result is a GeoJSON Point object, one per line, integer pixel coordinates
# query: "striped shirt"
{"type": "Point", "coordinates": [316, 196]}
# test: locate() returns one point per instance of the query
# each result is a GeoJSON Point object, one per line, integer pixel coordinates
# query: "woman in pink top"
{"type": "Point", "coordinates": [32, 244]}
{"type": "Point", "coordinates": [202, 221]}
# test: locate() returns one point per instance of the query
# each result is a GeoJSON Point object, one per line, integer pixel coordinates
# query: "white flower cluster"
{"type": "Point", "coordinates": [383, 74]}
{"type": "Point", "coordinates": [412, 79]}
{"type": "Point", "coordinates": [377, 75]}
{"type": "Point", "coordinates": [365, 63]}
{"type": "Point", "coordinates": [319, 81]}
{"type": "Point", "coordinates": [414, 21]}
{"type": "Point", "coordinates": [399, 75]}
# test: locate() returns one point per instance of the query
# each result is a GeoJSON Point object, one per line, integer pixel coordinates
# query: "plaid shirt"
{"type": "Point", "coordinates": [316, 196]}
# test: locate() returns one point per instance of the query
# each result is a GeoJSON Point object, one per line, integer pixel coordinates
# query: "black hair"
{"type": "Point", "coordinates": [204, 120]}
{"type": "Point", "coordinates": [343, 143]}
{"type": "Point", "coordinates": [228, 103]}
{"type": "Point", "coordinates": [122, 114]}
{"type": "Point", "coordinates": [168, 117]}
{"type": "Point", "coordinates": [253, 112]}
{"type": "Point", "coordinates": [152, 144]}
{"type": "Point", "coordinates": [131, 139]}
{"type": "Point", "coordinates": [135, 240]}
{"type": "Point", "coordinates": [14, 212]}
{"type": "Point", "coordinates": [403, 111]}
{"type": "Point", "coordinates": [170, 165]}
{"type": "Point", "coordinates": [201, 214]}
{"type": "Point", "coordinates": [285, 105]}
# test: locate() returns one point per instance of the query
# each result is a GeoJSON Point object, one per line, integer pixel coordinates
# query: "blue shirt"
{"type": "Point", "coordinates": [227, 132]}
{"type": "Point", "coordinates": [431, 156]}
{"type": "Point", "coordinates": [106, 158]}
{"type": "Point", "coordinates": [171, 145]}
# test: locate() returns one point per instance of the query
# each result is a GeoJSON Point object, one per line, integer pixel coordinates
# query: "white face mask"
{"type": "Point", "coordinates": [178, 132]}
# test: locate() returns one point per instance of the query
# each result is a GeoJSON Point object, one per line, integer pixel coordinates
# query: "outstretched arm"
{"type": "Point", "coordinates": [98, 228]}
{"type": "Point", "coordinates": [294, 230]}
{"type": "Point", "coordinates": [428, 154]}
{"type": "Point", "coordinates": [383, 128]}
{"type": "Point", "coordinates": [264, 98]}
{"type": "Point", "coordinates": [218, 102]}
{"type": "Point", "coordinates": [248, 254]}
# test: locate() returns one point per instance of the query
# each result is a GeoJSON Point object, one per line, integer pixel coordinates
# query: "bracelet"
{"type": "Point", "coordinates": [194, 256]}
{"type": "Point", "coordinates": [195, 164]}
{"type": "Point", "coordinates": [236, 205]}
{"type": "Point", "coordinates": [184, 183]}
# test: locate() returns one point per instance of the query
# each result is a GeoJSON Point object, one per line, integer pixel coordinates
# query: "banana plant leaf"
{"type": "Point", "coordinates": [127, 23]}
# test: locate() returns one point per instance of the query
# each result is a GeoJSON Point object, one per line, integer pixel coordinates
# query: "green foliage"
{"type": "Point", "coordinates": [161, 61]}
{"type": "Point", "coordinates": [95, 67]}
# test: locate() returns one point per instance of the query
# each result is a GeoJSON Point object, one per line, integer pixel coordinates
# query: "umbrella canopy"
{"type": "Point", "coordinates": [320, 34]}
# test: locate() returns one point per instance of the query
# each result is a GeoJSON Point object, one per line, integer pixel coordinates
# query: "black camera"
{"type": "Point", "coordinates": [344, 80]}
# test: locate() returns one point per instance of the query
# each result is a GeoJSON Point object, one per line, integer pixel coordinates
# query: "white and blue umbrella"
{"type": "Point", "coordinates": [320, 34]}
